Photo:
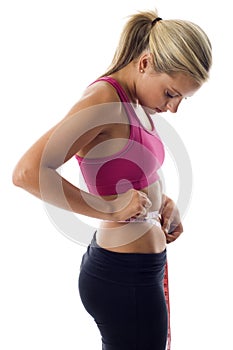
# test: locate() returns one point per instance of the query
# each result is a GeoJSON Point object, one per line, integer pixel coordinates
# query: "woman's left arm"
{"type": "Point", "coordinates": [170, 219]}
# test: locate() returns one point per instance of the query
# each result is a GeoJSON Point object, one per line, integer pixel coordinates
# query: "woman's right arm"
{"type": "Point", "coordinates": [36, 170]}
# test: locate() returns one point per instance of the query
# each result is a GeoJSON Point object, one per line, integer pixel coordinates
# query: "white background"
{"type": "Point", "coordinates": [50, 51]}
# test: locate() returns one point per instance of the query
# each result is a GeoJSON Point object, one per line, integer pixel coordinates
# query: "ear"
{"type": "Point", "coordinates": [145, 62]}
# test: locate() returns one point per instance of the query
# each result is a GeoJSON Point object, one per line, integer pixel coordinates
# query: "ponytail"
{"type": "Point", "coordinates": [133, 41]}
{"type": "Point", "coordinates": [176, 46]}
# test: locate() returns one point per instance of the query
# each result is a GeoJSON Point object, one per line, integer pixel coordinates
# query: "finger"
{"type": "Point", "coordinates": [143, 212]}
{"type": "Point", "coordinates": [143, 194]}
{"type": "Point", "coordinates": [171, 237]}
{"type": "Point", "coordinates": [145, 200]}
{"type": "Point", "coordinates": [148, 204]}
{"type": "Point", "coordinates": [176, 228]}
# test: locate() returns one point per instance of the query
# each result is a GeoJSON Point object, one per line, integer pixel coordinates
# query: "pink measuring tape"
{"type": "Point", "coordinates": [166, 292]}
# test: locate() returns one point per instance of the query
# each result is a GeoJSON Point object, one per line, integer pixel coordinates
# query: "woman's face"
{"type": "Point", "coordinates": [160, 92]}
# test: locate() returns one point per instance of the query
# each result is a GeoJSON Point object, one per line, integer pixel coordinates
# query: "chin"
{"type": "Point", "coordinates": [150, 111]}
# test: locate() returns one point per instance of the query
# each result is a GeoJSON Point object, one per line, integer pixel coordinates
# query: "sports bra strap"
{"type": "Point", "coordinates": [133, 118]}
{"type": "Point", "coordinates": [117, 86]}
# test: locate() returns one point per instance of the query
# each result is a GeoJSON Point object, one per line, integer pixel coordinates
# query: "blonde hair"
{"type": "Point", "coordinates": [175, 45]}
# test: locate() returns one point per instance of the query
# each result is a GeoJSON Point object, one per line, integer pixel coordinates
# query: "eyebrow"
{"type": "Point", "coordinates": [176, 91]}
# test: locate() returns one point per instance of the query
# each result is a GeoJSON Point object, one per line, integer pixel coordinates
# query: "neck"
{"type": "Point", "coordinates": [125, 78]}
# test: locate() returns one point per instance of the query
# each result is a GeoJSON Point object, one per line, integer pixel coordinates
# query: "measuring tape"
{"type": "Point", "coordinates": [166, 292]}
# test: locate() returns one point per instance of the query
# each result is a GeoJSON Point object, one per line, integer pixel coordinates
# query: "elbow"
{"type": "Point", "coordinates": [23, 176]}
{"type": "Point", "coordinates": [19, 176]}
{"type": "Point", "coordinates": [26, 176]}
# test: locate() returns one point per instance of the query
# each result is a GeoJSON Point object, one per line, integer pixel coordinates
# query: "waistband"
{"type": "Point", "coordinates": [124, 268]}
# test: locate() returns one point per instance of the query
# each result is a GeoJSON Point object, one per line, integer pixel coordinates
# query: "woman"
{"type": "Point", "coordinates": [157, 64]}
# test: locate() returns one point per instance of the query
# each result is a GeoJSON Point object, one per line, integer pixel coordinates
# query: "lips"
{"type": "Point", "coordinates": [158, 110]}
{"type": "Point", "coordinates": [153, 110]}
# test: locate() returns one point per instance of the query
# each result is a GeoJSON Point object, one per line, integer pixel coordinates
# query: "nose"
{"type": "Point", "coordinates": [173, 105]}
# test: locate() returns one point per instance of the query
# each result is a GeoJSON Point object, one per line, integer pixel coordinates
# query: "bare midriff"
{"type": "Point", "coordinates": [134, 237]}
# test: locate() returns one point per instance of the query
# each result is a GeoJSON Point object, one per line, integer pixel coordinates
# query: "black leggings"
{"type": "Point", "coordinates": [124, 294]}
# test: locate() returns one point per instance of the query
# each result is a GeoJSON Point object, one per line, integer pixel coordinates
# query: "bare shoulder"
{"type": "Point", "coordinates": [97, 110]}
{"type": "Point", "coordinates": [98, 93]}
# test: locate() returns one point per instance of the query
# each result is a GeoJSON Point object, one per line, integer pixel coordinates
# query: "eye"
{"type": "Point", "coordinates": [168, 94]}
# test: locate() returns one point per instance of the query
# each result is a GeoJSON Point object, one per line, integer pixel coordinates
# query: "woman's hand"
{"type": "Point", "coordinates": [170, 219]}
{"type": "Point", "coordinates": [130, 204]}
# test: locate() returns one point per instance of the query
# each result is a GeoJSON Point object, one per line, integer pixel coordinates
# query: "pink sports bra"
{"type": "Point", "coordinates": [134, 166]}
